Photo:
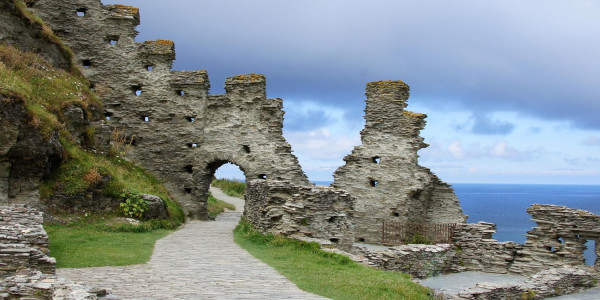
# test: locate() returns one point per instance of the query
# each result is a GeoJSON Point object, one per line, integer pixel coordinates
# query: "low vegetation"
{"type": "Point", "coordinates": [96, 240]}
{"type": "Point", "coordinates": [323, 273]}
{"type": "Point", "coordinates": [230, 187]}
{"type": "Point", "coordinates": [216, 206]}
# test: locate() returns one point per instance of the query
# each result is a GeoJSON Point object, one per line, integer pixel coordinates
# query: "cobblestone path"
{"type": "Point", "coordinates": [199, 261]}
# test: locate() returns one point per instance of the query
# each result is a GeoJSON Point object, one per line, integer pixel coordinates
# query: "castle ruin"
{"type": "Point", "coordinates": [182, 134]}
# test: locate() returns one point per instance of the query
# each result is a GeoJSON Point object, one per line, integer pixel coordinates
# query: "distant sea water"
{"type": "Point", "coordinates": [505, 205]}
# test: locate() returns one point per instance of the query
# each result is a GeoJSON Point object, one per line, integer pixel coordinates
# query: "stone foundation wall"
{"type": "Point", "coordinates": [320, 213]}
{"type": "Point", "coordinates": [545, 284]}
{"type": "Point", "coordinates": [23, 241]}
{"type": "Point", "coordinates": [420, 261]}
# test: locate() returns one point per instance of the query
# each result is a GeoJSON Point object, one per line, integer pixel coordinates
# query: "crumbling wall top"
{"type": "Point", "coordinates": [119, 11]}
{"type": "Point", "coordinates": [397, 89]}
{"type": "Point", "coordinates": [159, 47]}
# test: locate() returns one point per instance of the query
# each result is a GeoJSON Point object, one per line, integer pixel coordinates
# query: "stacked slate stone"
{"type": "Point", "coordinates": [23, 241]}
{"type": "Point", "coordinates": [383, 173]}
{"type": "Point", "coordinates": [477, 251]}
{"type": "Point", "coordinates": [320, 213]}
{"type": "Point", "coordinates": [418, 260]}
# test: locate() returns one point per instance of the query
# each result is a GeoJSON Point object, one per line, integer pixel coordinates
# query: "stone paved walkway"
{"type": "Point", "coordinates": [199, 261]}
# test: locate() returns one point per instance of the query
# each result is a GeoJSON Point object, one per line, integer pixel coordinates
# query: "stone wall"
{"type": "Point", "coordinates": [383, 173]}
{"type": "Point", "coordinates": [320, 213]}
{"type": "Point", "coordinates": [545, 284]}
{"type": "Point", "coordinates": [420, 261]}
{"type": "Point", "coordinates": [558, 240]}
{"type": "Point", "coordinates": [23, 241]}
{"type": "Point", "coordinates": [177, 130]}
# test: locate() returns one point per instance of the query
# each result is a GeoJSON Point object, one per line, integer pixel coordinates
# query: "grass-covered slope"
{"type": "Point", "coordinates": [323, 273]}
{"type": "Point", "coordinates": [86, 239]}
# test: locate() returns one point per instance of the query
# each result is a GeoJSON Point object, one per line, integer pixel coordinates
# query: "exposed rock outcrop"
{"type": "Point", "coordinates": [26, 155]}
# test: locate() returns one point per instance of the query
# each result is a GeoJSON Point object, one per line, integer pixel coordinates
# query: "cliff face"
{"type": "Point", "coordinates": [26, 156]}
{"type": "Point", "coordinates": [383, 173]}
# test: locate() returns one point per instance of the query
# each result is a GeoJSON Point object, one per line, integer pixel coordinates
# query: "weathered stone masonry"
{"type": "Point", "coordinates": [321, 213]}
{"type": "Point", "coordinates": [177, 130]}
{"type": "Point", "coordinates": [383, 173]}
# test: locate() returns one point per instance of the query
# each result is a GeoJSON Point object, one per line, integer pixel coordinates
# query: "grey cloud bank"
{"type": "Point", "coordinates": [538, 57]}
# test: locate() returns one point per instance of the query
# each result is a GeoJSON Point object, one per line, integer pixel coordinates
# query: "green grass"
{"type": "Point", "coordinates": [231, 188]}
{"type": "Point", "coordinates": [91, 242]}
{"type": "Point", "coordinates": [323, 273]}
{"type": "Point", "coordinates": [216, 206]}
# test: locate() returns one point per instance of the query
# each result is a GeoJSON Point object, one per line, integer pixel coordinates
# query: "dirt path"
{"type": "Point", "coordinates": [198, 261]}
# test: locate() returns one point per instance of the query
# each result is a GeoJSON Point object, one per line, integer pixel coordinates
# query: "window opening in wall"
{"type": "Point", "coordinates": [334, 240]}
{"type": "Point", "coordinates": [396, 214]}
{"type": "Point", "coordinates": [180, 93]}
{"type": "Point", "coordinates": [377, 159]}
{"type": "Point", "coordinates": [137, 90]}
{"type": "Point", "coordinates": [189, 168]}
{"type": "Point", "coordinates": [590, 252]}
{"type": "Point", "coordinates": [188, 190]}
{"type": "Point", "coordinates": [108, 115]}
{"type": "Point", "coordinates": [246, 148]}
{"type": "Point", "coordinates": [81, 12]}
{"type": "Point", "coordinates": [192, 145]}
{"type": "Point", "coordinates": [145, 118]}
{"type": "Point", "coordinates": [262, 176]}
{"type": "Point", "coordinates": [190, 119]}
{"type": "Point", "coordinates": [87, 63]}
{"type": "Point", "coordinates": [149, 67]}
{"type": "Point", "coordinates": [374, 183]}
{"type": "Point", "coordinates": [361, 240]}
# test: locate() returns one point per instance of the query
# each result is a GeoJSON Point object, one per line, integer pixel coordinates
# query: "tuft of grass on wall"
{"type": "Point", "coordinates": [323, 273]}
{"type": "Point", "coordinates": [231, 188]}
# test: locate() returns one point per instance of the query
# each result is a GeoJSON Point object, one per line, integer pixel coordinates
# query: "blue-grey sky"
{"type": "Point", "coordinates": [511, 88]}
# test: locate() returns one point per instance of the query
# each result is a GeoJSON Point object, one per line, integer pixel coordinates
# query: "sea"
{"type": "Point", "coordinates": [505, 205]}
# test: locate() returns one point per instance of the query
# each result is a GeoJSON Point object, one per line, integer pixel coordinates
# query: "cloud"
{"type": "Point", "coordinates": [320, 144]}
{"type": "Point", "coordinates": [307, 120]}
{"type": "Point", "coordinates": [591, 141]}
{"type": "Point", "coordinates": [485, 125]}
{"type": "Point", "coordinates": [528, 56]}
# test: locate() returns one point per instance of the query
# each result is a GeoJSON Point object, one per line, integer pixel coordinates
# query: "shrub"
{"type": "Point", "coordinates": [133, 206]}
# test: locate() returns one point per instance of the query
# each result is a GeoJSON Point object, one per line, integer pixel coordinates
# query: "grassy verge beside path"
{"type": "Point", "coordinates": [90, 245]}
{"type": "Point", "coordinates": [323, 273]}
{"type": "Point", "coordinates": [231, 188]}
{"type": "Point", "coordinates": [216, 206]}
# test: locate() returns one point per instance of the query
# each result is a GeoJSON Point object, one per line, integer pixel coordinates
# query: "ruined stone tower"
{"type": "Point", "coordinates": [177, 130]}
{"type": "Point", "coordinates": [383, 173]}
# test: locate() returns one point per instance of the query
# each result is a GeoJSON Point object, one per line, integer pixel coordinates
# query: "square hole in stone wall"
{"type": "Point", "coordinates": [81, 12]}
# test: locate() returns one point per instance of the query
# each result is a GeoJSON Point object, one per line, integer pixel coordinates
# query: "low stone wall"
{"type": "Point", "coordinates": [420, 261]}
{"type": "Point", "coordinates": [281, 207]}
{"type": "Point", "coordinates": [548, 283]}
{"type": "Point", "coordinates": [477, 251]}
{"type": "Point", "coordinates": [558, 240]}
{"type": "Point", "coordinates": [23, 241]}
